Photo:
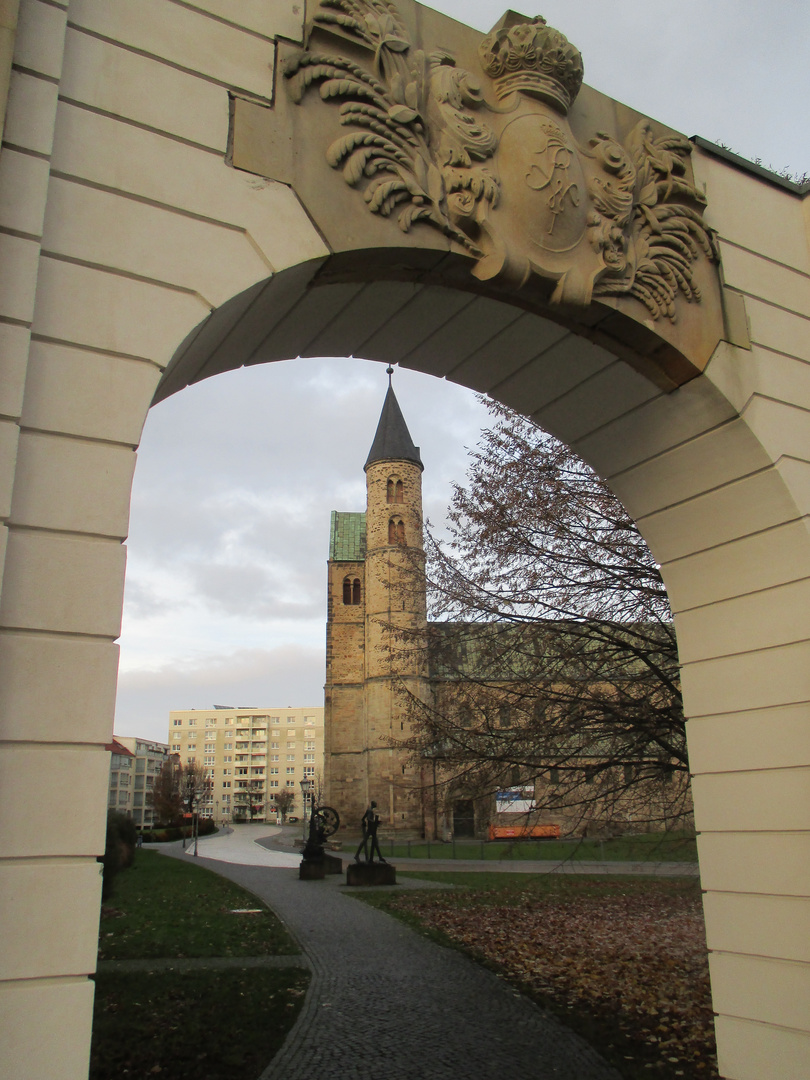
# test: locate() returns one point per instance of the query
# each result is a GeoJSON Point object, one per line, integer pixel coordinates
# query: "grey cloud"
{"type": "Point", "coordinates": [285, 675]}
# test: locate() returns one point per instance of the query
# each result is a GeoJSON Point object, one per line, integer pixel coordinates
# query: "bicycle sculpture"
{"type": "Point", "coordinates": [323, 823]}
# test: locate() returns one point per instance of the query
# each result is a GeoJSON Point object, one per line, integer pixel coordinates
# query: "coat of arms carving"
{"type": "Point", "coordinates": [490, 160]}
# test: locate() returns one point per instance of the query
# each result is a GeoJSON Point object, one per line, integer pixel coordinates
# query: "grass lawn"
{"type": "Point", "coordinates": [204, 1024]}
{"type": "Point", "coordinates": [654, 847]}
{"type": "Point", "coordinates": [163, 907]}
{"type": "Point", "coordinates": [192, 1025]}
{"type": "Point", "coordinates": [620, 960]}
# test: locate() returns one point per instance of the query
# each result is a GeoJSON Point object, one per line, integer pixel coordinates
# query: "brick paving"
{"type": "Point", "coordinates": [385, 1003]}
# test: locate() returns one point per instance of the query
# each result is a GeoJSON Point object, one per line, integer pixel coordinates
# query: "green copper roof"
{"type": "Point", "coordinates": [347, 537]}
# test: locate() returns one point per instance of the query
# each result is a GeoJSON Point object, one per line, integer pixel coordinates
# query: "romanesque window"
{"type": "Point", "coordinates": [351, 590]}
{"type": "Point", "coordinates": [395, 492]}
{"type": "Point", "coordinates": [396, 531]}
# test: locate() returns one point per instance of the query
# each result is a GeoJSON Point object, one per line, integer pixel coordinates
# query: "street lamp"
{"type": "Point", "coordinates": [306, 788]}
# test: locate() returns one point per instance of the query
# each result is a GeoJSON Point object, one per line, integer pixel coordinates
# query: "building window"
{"type": "Point", "coordinates": [177, 723]}
{"type": "Point", "coordinates": [274, 783]}
{"type": "Point", "coordinates": [395, 492]}
{"type": "Point", "coordinates": [290, 757]}
{"type": "Point", "coordinates": [290, 770]}
{"type": "Point", "coordinates": [309, 770]}
{"type": "Point", "coordinates": [290, 719]}
{"type": "Point", "coordinates": [396, 531]}
{"type": "Point", "coordinates": [309, 757]}
{"type": "Point", "coordinates": [309, 719]}
{"type": "Point", "coordinates": [274, 771]}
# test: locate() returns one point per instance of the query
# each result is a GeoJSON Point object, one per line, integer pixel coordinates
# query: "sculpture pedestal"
{"type": "Point", "coordinates": [375, 873]}
{"type": "Point", "coordinates": [312, 870]}
{"type": "Point", "coordinates": [333, 864]}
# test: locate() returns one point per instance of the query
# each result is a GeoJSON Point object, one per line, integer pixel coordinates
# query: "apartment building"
{"type": "Point", "coordinates": [149, 759]}
{"type": "Point", "coordinates": [249, 755]}
{"type": "Point", "coordinates": [122, 772]}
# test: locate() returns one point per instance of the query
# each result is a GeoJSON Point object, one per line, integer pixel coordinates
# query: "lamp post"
{"type": "Point", "coordinates": [306, 788]}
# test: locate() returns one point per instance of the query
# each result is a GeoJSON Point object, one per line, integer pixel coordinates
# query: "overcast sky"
{"type": "Point", "coordinates": [225, 599]}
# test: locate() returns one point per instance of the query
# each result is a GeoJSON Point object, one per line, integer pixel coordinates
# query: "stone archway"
{"type": "Point", "coordinates": [170, 213]}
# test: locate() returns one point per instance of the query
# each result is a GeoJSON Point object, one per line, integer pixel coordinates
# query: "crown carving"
{"type": "Point", "coordinates": [535, 58]}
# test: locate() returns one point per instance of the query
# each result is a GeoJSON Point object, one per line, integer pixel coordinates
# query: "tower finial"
{"type": "Point", "coordinates": [389, 371]}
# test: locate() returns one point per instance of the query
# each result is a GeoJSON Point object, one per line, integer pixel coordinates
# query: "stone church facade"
{"type": "Point", "coordinates": [380, 656]}
{"type": "Point", "coordinates": [376, 602]}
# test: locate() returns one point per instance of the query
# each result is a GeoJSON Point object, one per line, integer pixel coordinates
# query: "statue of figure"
{"type": "Point", "coordinates": [370, 823]}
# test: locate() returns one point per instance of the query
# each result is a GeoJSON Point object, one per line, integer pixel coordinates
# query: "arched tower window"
{"type": "Point", "coordinates": [351, 590]}
{"type": "Point", "coordinates": [396, 531]}
{"type": "Point", "coordinates": [395, 491]}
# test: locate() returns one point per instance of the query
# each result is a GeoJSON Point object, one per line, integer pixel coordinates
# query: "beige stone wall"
{"type": "Point", "coordinates": [395, 607]}
{"type": "Point", "coordinates": [129, 240]}
{"type": "Point", "coordinates": [345, 736]}
{"type": "Point", "coordinates": [365, 657]}
{"type": "Point", "coordinates": [9, 10]}
{"type": "Point", "coordinates": [120, 230]}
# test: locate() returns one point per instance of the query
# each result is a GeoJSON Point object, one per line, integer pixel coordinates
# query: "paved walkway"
{"type": "Point", "coordinates": [384, 1003]}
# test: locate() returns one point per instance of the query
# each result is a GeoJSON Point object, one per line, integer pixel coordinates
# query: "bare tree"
{"type": "Point", "coordinates": [554, 664]}
{"type": "Point", "coordinates": [193, 786]}
{"type": "Point", "coordinates": [284, 800]}
{"type": "Point", "coordinates": [166, 798]}
{"type": "Point", "coordinates": [251, 797]}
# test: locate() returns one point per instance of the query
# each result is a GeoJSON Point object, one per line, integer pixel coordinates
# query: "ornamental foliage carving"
{"type": "Point", "coordinates": [490, 160]}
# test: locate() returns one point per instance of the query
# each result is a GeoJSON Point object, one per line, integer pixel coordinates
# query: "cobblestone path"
{"type": "Point", "coordinates": [386, 1004]}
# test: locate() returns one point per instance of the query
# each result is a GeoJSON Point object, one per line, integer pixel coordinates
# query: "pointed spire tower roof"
{"type": "Point", "coordinates": [392, 441]}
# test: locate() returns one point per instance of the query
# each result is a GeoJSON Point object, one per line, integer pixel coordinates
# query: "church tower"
{"type": "Point", "coordinates": [376, 613]}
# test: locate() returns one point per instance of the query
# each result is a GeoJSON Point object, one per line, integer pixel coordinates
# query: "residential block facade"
{"type": "Point", "coordinates": [150, 757]}
{"type": "Point", "coordinates": [134, 764]}
{"type": "Point", "coordinates": [249, 755]}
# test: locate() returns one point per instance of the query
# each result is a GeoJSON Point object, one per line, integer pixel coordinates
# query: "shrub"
{"type": "Point", "coordinates": [119, 849]}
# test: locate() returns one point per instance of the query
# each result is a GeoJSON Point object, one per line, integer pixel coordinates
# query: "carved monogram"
{"type": "Point", "coordinates": [493, 163]}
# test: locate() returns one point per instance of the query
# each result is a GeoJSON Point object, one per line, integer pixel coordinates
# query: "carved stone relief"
{"type": "Point", "coordinates": [490, 160]}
